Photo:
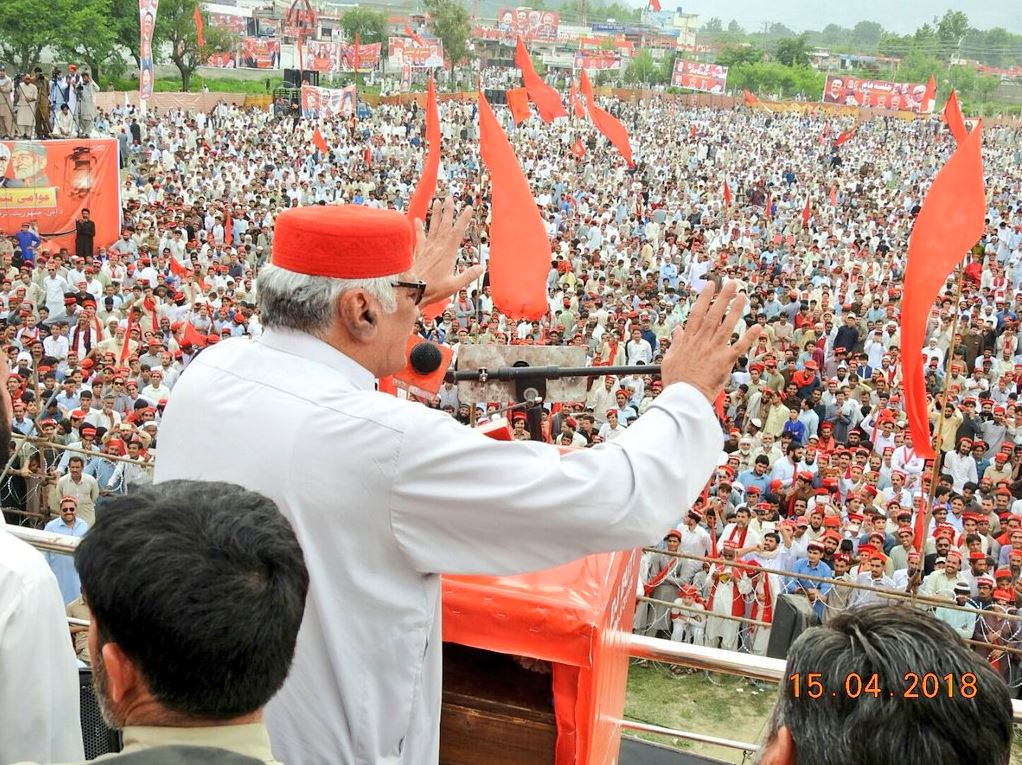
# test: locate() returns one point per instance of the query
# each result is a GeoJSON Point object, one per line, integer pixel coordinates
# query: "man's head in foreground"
{"type": "Point", "coordinates": [969, 719]}
{"type": "Point", "coordinates": [197, 590]}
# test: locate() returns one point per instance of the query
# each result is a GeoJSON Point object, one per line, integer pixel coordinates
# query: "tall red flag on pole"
{"type": "Point", "coordinates": [930, 94]}
{"type": "Point", "coordinates": [199, 29]}
{"type": "Point", "coordinates": [547, 100]}
{"type": "Point", "coordinates": [949, 223]}
{"type": "Point", "coordinates": [807, 212]}
{"type": "Point", "coordinates": [953, 118]}
{"type": "Point", "coordinates": [519, 246]}
{"type": "Point", "coordinates": [727, 195]}
{"type": "Point", "coordinates": [605, 122]}
{"type": "Point", "coordinates": [654, 5]}
{"type": "Point", "coordinates": [576, 104]}
{"type": "Point", "coordinates": [320, 142]}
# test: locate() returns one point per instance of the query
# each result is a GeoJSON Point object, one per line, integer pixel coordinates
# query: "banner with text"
{"type": "Point", "coordinates": [529, 23]}
{"type": "Point", "coordinates": [260, 52]}
{"type": "Point", "coordinates": [706, 78]}
{"type": "Point", "coordinates": [146, 25]}
{"type": "Point", "coordinates": [878, 94]}
{"type": "Point", "coordinates": [327, 103]}
{"type": "Point", "coordinates": [596, 60]}
{"type": "Point", "coordinates": [49, 183]}
{"type": "Point", "coordinates": [404, 50]}
{"type": "Point", "coordinates": [229, 22]}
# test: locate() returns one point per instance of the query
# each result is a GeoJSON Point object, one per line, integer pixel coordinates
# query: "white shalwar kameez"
{"type": "Point", "coordinates": [385, 494]}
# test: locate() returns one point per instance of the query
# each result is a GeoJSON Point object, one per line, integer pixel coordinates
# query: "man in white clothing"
{"type": "Point", "coordinates": [421, 494]}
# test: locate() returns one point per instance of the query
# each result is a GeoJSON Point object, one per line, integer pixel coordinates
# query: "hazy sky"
{"type": "Point", "coordinates": [899, 16]}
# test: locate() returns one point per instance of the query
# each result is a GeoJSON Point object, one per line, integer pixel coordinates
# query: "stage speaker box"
{"type": "Point", "coordinates": [496, 96]}
{"type": "Point", "coordinates": [293, 77]}
{"type": "Point", "coordinates": [97, 737]}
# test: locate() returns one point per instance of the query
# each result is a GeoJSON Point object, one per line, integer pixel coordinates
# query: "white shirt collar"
{"type": "Point", "coordinates": [313, 349]}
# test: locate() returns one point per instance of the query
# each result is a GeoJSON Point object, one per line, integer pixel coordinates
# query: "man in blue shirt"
{"type": "Point", "coordinates": [27, 240]}
{"type": "Point", "coordinates": [813, 566]}
{"type": "Point", "coordinates": [759, 476]}
{"type": "Point", "coordinates": [63, 566]}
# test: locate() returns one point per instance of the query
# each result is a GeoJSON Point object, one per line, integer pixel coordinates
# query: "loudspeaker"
{"type": "Point", "coordinates": [293, 77]}
{"type": "Point", "coordinates": [496, 96]}
{"type": "Point", "coordinates": [97, 737]}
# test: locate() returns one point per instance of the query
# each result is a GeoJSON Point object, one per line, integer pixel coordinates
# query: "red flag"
{"type": "Point", "coordinates": [518, 103]}
{"type": "Point", "coordinates": [953, 118]}
{"type": "Point", "coordinates": [199, 35]}
{"type": "Point", "coordinates": [578, 149]}
{"type": "Point", "coordinates": [654, 5]}
{"type": "Point", "coordinates": [605, 122]}
{"type": "Point", "coordinates": [177, 269]}
{"type": "Point", "coordinates": [750, 98]}
{"type": "Point", "coordinates": [418, 40]}
{"type": "Point", "coordinates": [949, 223]}
{"type": "Point", "coordinates": [845, 136]}
{"type": "Point", "coordinates": [519, 246]}
{"type": "Point", "coordinates": [419, 204]}
{"type": "Point", "coordinates": [192, 336]}
{"type": "Point", "coordinates": [320, 142]}
{"type": "Point", "coordinates": [228, 227]}
{"type": "Point", "coordinates": [354, 55]}
{"type": "Point", "coordinates": [807, 212]}
{"type": "Point", "coordinates": [547, 100]}
{"type": "Point", "coordinates": [833, 196]}
{"type": "Point", "coordinates": [769, 210]}
{"type": "Point", "coordinates": [576, 104]}
{"type": "Point", "coordinates": [930, 94]}
{"type": "Point", "coordinates": [920, 531]}
{"type": "Point", "coordinates": [727, 195]}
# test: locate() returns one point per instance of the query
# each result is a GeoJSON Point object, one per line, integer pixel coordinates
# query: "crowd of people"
{"type": "Point", "coordinates": [818, 475]}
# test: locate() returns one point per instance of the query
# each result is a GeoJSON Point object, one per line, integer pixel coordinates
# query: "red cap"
{"type": "Point", "coordinates": [673, 533]}
{"type": "Point", "coordinates": [343, 241]}
{"type": "Point", "coordinates": [1004, 595]}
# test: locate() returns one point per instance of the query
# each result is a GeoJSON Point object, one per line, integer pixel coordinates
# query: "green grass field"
{"type": "Point", "coordinates": [712, 704]}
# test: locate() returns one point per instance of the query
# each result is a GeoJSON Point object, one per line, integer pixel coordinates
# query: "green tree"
{"type": "Point", "coordinates": [951, 31]}
{"type": "Point", "coordinates": [733, 55]}
{"type": "Point", "coordinates": [88, 38]}
{"type": "Point", "coordinates": [833, 35]}
{"type": "Point", "coordinates": [895, 46]}
{"type": "Point", "coordinates": [714, 27]}
{"type": "Point", "coordinates": [450, 22]}
{"type": "Point", "coordinates": [642, 69]}
{"type": "Point", "coordinates": [123, 21]}
{"type": "Point", "coordinates": [734, 28]}
{"type": "Point", "coordinates": [28, 26]}
{"type": "Point", "coordinates": [866, 35]}
{"type": "Point", "coordinates": [369, 25]}
{"type": "Point", "coordinates": [175, 30]}
{"type": "Point", "coordinates": [793, 51]}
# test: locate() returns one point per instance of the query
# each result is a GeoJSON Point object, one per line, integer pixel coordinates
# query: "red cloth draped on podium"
{"type": "Point", "coordinates": [573, 616]}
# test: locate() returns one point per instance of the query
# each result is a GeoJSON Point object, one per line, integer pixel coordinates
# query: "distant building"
{"type": "Point", "coordinates": [686, 24]}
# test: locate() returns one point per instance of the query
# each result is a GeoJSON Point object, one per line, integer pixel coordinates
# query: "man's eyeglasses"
{"type": "Point", "coordinates": [419, 289]}
{"type": "Point", "coordinates": [68, 509]}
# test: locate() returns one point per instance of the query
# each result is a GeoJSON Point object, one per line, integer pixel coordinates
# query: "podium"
{"type": "Point", "coordinates": [577, 617]}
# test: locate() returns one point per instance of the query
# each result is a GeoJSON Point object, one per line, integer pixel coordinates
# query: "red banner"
{"type": "Point", "coordinates": [236, 24]}
{"type": "Point", "coordinates": [260, 52]}
{"type": "Point", "coordinates": [327, 102]}
{"type": "Point", "coordinates": [404, 50]}
{"type": "Point", "coordinates": [623, 46]}
{"type": "Point", "coordinates": [147, 24]}
{"type": "Point", "coordinates": [222, 60]}
{"type": "Point", "coordinates": [706, 78]}
{"type": "Point", "coordinates": [368, 57]}
{"type": "Point", "coordinates": [598, 59]}
{"type": "Point", "coordinates": [878, 94]}
{"type": "Point", "coordinates": [49, 183]}
{"type": "Point", "coordinates": [530, 24]}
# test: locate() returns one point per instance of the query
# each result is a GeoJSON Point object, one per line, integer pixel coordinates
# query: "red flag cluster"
{"type": "Point", "coordinates": [950, 222]}
{"type": "Point", "coordinates": [547, 100]}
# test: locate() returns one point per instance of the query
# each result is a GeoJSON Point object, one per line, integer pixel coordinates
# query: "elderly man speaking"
{"type": "Point", "coordinates": [387, 494]}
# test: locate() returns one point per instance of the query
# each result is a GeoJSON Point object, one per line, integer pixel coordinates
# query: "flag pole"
{"type": "Point", "coordinates": [935, 471]}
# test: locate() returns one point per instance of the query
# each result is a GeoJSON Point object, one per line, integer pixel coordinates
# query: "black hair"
{"type": "Point", "coordinates": [970, 724]}
{"type": "Point", "coordinates": [202, 585]}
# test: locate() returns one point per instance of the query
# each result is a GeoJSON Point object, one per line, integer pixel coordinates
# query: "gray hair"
{"type": "Point", "coordinates": [288, 300]}
{"type": "Point", "coordinates": [860, 691]}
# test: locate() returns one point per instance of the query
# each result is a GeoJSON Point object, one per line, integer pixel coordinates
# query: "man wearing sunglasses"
{"type": "Point", "coordinates": [387, 494]}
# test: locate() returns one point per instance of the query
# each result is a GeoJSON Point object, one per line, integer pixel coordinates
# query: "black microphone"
{"type": "Point", "coordinates": [425, 358]}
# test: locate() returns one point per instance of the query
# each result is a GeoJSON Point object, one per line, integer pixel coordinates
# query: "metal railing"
{"type": "Point", "coordinates": [639, 647]}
